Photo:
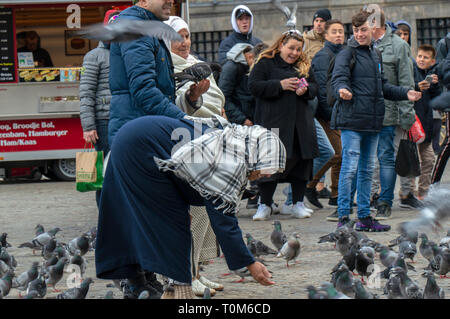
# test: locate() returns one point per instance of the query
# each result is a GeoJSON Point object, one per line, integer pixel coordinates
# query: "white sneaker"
{"type": "Point", "coordinates": [309, 210]}
{"type": "Point", "coordinates": [286, 209]}
{"type": "Point", "coordinates": [299, 211]}
{"type": "Point", "coordinates": [210, 284]}
{"type": "Point", "coordinates": [262, 213]}
{"type": "Point", "coordinates": [199, 289]}
{"type": "Point", "coordinates": [275, 209]}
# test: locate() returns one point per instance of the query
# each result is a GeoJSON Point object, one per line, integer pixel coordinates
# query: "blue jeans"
{"type": "Point", "coordinates": [358, 158]}
{"type": "Point", "coordinates": [101, 145]}
{"type": "Point", "coordinates": [386, 158]}
{"type": "Point", "coordinates": [326, 152]}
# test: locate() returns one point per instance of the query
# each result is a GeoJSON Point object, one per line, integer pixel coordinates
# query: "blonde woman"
{"type": "Point", "coordinates": [282, 104]}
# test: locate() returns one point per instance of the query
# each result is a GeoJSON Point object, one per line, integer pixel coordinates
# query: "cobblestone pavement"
{"type": "Point", "coordinates": [58, 204]}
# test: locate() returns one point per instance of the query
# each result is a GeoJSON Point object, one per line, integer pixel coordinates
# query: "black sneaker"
{"type": "Point", "coordinates": [334, 217]}
{"type": "Point", "coordinates": [312, 195]}
{"type": "Point", "coordinates": [324, 193]}
{"type": "Point", "coordinates": [133, 292]}
{"type": "Point", "coordinates": [152, 281]}
{"type": "Point", "coordinates": [374, 202]}
{"type": "Point", "coordinates": [410, 202]}
{"type": "Point", "coordinates": [383, 211]}
{"type": "Point", "coordinates": [333, 201]}
{"type": "Point", "coordinates": [342, 221]}
{"type": "Point", "coordinates": [371, 225]}
{"type": "Point", "coordinates": [252, 203]}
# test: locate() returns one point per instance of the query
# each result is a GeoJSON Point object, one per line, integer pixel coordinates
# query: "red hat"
{"type": "Point", "coordinates": [110, 14]}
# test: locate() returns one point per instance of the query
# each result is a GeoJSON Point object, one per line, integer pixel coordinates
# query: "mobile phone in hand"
{"type": "Point", "coordinates": [429, 78]}
{"type": "Point", "coordinates": [302, 83]}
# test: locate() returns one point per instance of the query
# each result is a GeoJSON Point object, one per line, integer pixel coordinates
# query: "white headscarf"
{"type": "Point", "coordinates": [177, 24]}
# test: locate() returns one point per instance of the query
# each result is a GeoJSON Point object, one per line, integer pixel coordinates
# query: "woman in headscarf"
{"type": "Point", "coordinates": [156, 171]}
{"type": "Point", "coordinates": [203, 99]}
{"type": "Point", "coordinates": [283, 82]}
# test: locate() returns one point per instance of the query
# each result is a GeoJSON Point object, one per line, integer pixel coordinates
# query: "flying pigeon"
{"type": "Point", "coordinates": [278, 238]}
{"type": "Point", "coordinates": [426, 247]}
{"type": "Point", "coordinates": [290, 15]}
{"type": "Point", "coordinates": [129, 30]}
{"type": "Point", "coordinates": [77, 292]}
{"type": "Point", "coordinates": [21, 282]}
{"type": "Point", "coordinates": [432, 290]}
{"type": "Point", "coordinates": [55, 273]}
{"type": "Point", "coordinates": [291, 249]}
{"type": "Point", "coordinates": [3, 242]}
{"type": "Point", "coordinates": [79, 243]}
{"type": "Point", "coordinates": [196, 73]}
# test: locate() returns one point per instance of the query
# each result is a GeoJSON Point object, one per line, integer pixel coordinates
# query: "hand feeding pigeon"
{"type": "Point", "coordinates": [196, 73]}
{"type": "Point", "coordinates": [432, 290]}
{"type": "Point", "coordinates": [21, 282]}
{"type": "Point", "coordinates": [291, 249]}
{"type": "Point", "coordinates": [278, 238]}
{"type": "Point", "coordinates": [77, 292]}
{"type": "Point", "coordinates": [290, 15]}
{"type": "Point", "coordinates": [129, 30]}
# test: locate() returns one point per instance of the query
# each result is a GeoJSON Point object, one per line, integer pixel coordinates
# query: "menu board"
{"type": "Point", "coordinates": [7, 50]}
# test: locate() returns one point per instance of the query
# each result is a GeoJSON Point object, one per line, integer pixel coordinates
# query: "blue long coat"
{"type": "Point", "coordinates": [140, 77]}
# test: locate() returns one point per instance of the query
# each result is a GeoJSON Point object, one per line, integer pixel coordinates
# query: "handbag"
{"type": "Point", "coordinates": [89, 169]}
{"type": "Point", "coordinates": [416, 132]}
{"type": "Point", "coordinates": [407, 163]}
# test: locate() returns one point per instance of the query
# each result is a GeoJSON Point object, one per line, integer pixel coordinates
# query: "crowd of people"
{"type": "Point", "coordinates": [286, 112]}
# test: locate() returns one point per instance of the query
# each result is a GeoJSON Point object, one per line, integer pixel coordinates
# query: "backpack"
{"type": "Point", "coordinates": [331, 99]}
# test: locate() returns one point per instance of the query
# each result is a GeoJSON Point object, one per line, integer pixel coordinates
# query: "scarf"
{"type": "Point", "coordinates": [218, 163]}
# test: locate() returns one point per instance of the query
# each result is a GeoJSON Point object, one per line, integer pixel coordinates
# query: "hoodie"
{"type": "Point", "coordinates": [236, 36]}
{"type": "Point", "coordinates": [408, 25]}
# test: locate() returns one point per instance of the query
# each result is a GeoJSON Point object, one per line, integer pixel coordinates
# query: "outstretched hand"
{"type": "Point", "coordinates": [260, 273]}
{"type": "Point", "coordinates": [414, 96]}
{"type": "Point", "coordinates": [197, 89]}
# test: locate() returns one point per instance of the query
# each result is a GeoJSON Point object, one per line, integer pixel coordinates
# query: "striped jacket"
{"type": "Point", "coordinates": [95, 95]}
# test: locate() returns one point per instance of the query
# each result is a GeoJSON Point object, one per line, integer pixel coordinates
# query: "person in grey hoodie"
{"type": "Point", "coordinates": [242, 22]}
{"type": "Point", "coordinates": [95, 96]}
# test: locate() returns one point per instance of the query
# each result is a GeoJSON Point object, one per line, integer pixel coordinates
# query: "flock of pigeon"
{"type": "Point", "coordinates": [56, 256]}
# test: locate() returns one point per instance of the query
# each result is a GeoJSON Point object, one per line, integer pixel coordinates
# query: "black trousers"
{"type": "Point", "coordinates": [442, 158]}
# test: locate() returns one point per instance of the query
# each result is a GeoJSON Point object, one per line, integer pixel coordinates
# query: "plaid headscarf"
{"type": "Point", "coordinates": [218, 163]}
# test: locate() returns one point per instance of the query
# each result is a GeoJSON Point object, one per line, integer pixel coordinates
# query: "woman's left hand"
{"type": "Point", "coordinates": [197, 89]}
{"type": "Point", "coordinates": [301, 91]}
{"type": "Point", "coordinates": [260, 273]}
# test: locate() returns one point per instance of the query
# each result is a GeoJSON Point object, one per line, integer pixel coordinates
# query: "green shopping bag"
{"type": "Point", "coordinates": [89, 168]}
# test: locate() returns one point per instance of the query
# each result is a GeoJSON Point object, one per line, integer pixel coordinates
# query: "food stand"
{"type": "Point", "coordinates": [40, 129]}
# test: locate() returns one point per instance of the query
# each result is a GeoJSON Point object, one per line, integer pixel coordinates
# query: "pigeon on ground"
{"type": "Point", "coordinates": [408, 249]}
{"type": "Point", "coordinates": [289, 14]}
{"type": "Point", "coordinates": [21, 282]}
{"type": "Point", "coordinates": [409, 288]}
{"type": "Point", "coordinates": [426, 247]}
{"type": "Point", "coordinates": [6, 283]}
{"type": "Point", "coordinates": [92, 235]}
{"type": "Point", "coordinates": [278, 238]}
{"type": "Point", "coordinates": [313, 293]}
{"type": "Point", "coordinates": [78, 260]}
{"type": "Point", "coordinates": [4, 268]}
{"type": "Point", "coordinates": [257, 247]}
{"type": "Point", "coordinates": [129, 30]}
{"type": "Point", "coordinates": [387, 255]}
{"type": "Point", "coordinates": [392, 287]}
{"type": "Point", "coordinates": [60, 252]}
{"type": "Point", "coordinates": [364, 259]}
{"type": "Point", "coordinates": [196, 73]}
{"type": "Point", "coordinates": [350, 258]}
{"type": "Point", "coordinates": [399, 262]}
{"type": "Point", "coordinates": [405, 234]}
{"type": "Point", "coordinates": [79, 243]}
{"type": "Point", "coordinates": [39, 229]}
{"type": "Point", "coordinates": [55, 273]}
{"type": "Point", "coordinates": [8, 259]}
{"type": "Point", "coordinates": [109, 294]}
{"type": "Point", "coordinates": [342, 280]}
{"type": "Point", "coordinates": [329, 238]}
{"type": "Point", "coordinates": [3, 242]}
{"type": "Point", "coordinates": [331, 292]}
{"type": "Point", "coordinates": [41, 240]}
{"type": "Point", "coordinates": [361, 292]}
{"type": "Point", "coordinates": [440, 264]}
{"type": "Point", "coordinates": [432, 290]}
{"type": "Point", "coordinates": [38, 285]}
{"type": "Point", "coordinates": [77, 292]}
{"type": "Point", "coordinates": [446, 240]}
{"type": "Point", "coordinates": [47, 250]}
{"type": "Point", "coordinates": [31, 295]}
{"type": "Point", "coordinates": [291, 249]}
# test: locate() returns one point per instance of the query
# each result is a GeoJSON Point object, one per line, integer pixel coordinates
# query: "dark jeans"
{"type": "Point", "coordinates": [101, 145]}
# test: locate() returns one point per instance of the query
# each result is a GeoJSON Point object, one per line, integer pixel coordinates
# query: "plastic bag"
{"type": "Point", "coordinates": [416, 132]}
{"type": "Point", "coordinates": [407, 163]}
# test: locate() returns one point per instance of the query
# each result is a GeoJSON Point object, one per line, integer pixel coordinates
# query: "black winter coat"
{"type": "Point", "coordinates": [239, 103]}
{"type": "Point", "coordinates": [422, 107]}
{"type": "Point", "coordinates": [284, 110]}
{"type": "Point", "coordinates": [319, 65]}
{"type": "Point", "coordinates": [365, 111]}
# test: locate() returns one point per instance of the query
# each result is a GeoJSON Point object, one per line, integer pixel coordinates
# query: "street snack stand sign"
{"type": "Point", "coordinates": [8, 62]}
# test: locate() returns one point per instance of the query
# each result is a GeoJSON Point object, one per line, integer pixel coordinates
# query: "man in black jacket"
{"type": "Point", "coordinates": [359, 112]}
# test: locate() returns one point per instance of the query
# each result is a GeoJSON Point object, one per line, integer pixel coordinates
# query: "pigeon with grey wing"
{"type": "Point", "coordinates": [47, 250]}
{"type": "Point", "coordinates": [440, 264]}
{"type": "Point", "coordinates": [21, 282]}
{"type": "Point", "coordinates": [39, 229]}
{"type": "Point", "coordinates": [387, 255]}
{"type": "Point", "coordinates": [38, 285]}
{"type": "Point", "coordinates": [77, 292]}
{"type": "Point", "coordinates": [392, 287]}
{"type": "Point", "coordinates": [289, 14]}
{"type": "Point", "coordinates": [445, 241]}
{"type": "Point", "coordinates": [364, 261]}
{"type": "Point", "coordinates": [399, 262]}
{"type": "Point", "coordinates": [314, 293]}
{"type": "Point", "coordinates": [3, 241]}
{"type": "Point", "coordinates": [258, 247]}
{"type": "Point", "coordinates": [8, 259]}
{"type": "Point", "coordinates": [426, 247]}
{"type": "Point", "coordinates": [343, 280]}
{"type": "Point", "coordinates": [196, 73]}
{"type": "Point", "coordinates": [350, 258]}
{"type": "Point", "coordinates": [55, 273]}
{"type": "Point", "coordinates": [80, 244]}
{"type": "Point", "coordinates": [432, 290]}
{"type": "Point", "coordinates": [41, 240]}
{"type": "Point", "coordinates": [129, 30]}
{"type": "Point", "coordinates": [291, 249]}
{"type": "Point", "coordinates": [278, 238]}
{"type": "Point", "coordinates": [409, 288]}
{"type": "Point", "coordinates": [6, 283]}
{"type": "Point", "coordinates": [79, 260]}
{"type": "Point", "coordinates": [408, 249]}
{"type": "Point", "coordinates": [4, 268]}
{"type": "Point", "coordinates": [331, 292]}
{"type": "Point", "coordinates": [361, 292]}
